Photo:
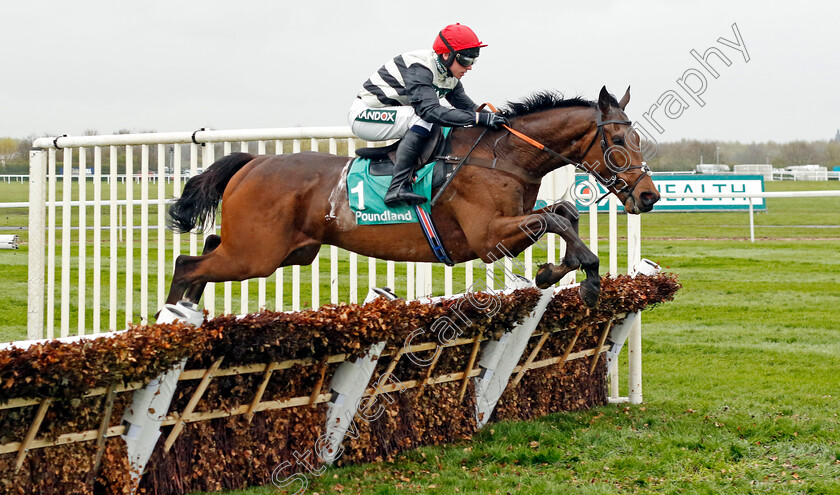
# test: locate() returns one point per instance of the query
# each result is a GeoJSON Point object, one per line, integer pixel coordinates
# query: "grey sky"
{"type": "Point", "coordinates": [178, 66]}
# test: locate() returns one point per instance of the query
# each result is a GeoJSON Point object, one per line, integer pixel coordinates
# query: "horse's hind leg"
{"type": "Point", "coordinates": [195, 291]}
{"type": "Point", "coordinates": [225, 262]}
{"type": "Point", "coordinates": [181, 286]}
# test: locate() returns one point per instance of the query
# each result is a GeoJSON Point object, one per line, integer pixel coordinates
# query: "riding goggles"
{"type": "Point", "coordinates": [465, 60]}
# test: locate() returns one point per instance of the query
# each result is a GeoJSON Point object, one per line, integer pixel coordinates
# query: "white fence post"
{"type": "Point", "coordinates": [129, 234]}
{"type": "Point", "coordinates": [82, 257]}
{"type": "Point", "coordinates": [144, 234]}
{"type": "Point", "coordinates": [97, 240]}
{"type": "Point", "coordinates": [208, 156]}
{"type": "Point", "coordinates": [113, 236]}
{"type": "Point", "coordinates": [161, 222]}
{"type": "Point", "coordinates": [49, 324]}
{"type": "Point", "coordinates": [66, 238]}
{"type": "Point", "coordinates": [37, 244]}
{"type": "Point", "coordinates": [752, 222]}
{"type": "Point", "coordinates": [634, 345]}
{"type": "Point", "coordinates": [618, 336]}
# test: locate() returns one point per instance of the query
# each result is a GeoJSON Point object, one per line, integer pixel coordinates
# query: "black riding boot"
{"type": "Point", "coordinates": [408, 152]}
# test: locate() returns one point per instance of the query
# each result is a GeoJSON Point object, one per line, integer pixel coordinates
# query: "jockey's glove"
{"type": "Point", "coordinates": [489, 119]}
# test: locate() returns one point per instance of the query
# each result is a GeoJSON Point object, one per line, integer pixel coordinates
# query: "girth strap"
{"type": "Point", "coordinates": [435, 242]}
{"type": "Point", "coordinates": [495, 164]}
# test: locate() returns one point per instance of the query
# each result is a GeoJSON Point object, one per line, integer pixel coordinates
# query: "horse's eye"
{"type": "Point", "coordinates": [618, 140]}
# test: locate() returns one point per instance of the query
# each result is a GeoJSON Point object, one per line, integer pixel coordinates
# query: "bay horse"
{"type": "Point", "coordinates": [279, 209]}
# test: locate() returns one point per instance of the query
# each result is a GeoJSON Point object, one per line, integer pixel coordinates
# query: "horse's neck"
{"type": "Point", "coordinates": [564, 131]}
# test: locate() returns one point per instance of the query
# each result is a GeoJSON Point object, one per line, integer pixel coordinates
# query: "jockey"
{"type": "Point", "coordinates": [402, 100]}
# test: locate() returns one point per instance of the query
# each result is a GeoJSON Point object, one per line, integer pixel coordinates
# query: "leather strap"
{"type": "Point", "coordinates": [496, 164]}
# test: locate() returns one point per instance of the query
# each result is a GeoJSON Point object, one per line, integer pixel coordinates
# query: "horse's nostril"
{"type": "Point", "coordinates": [649, 198]}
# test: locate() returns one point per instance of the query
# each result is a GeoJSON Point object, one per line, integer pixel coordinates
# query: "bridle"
{"type": "Point", "coordinates": [605, 151]}
{"type": "Point", "coordinates": [526, 176]}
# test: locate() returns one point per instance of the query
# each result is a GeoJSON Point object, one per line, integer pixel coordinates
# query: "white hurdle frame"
{"type": "Point", "coordinates": [101, 292]}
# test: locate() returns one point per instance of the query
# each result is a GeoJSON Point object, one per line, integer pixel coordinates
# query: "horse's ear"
{"type": "Point", "coordinates": [625, 99]}
{"type": "Point", "coordinates": [604, 100]}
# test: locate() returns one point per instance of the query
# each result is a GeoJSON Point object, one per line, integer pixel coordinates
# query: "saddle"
{"type": "Point", "coordinates": [382, 158]}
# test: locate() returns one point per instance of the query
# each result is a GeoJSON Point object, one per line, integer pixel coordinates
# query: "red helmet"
{"type": "Point", "coordinates": [459, 38]}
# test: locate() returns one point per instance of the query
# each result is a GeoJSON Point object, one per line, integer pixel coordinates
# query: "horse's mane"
{"type": "Point", "coordinates": [547, 100]}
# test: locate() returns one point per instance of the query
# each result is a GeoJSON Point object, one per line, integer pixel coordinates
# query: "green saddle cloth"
{"type": "Point", "coordinates": [366, 193]}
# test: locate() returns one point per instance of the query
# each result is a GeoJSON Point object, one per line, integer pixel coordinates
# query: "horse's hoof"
{"type": "Point", "coordinates": [543, 278]}
{"type": "Point", "coordinates": [590, 292]}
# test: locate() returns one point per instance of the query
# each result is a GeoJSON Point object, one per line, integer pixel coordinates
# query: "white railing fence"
{"type": "Point", "coordinates": [750, 197]}
{"type": "Point", "coordinates": [13, 178]}
{"type": "Point", "coordinates": [106, 259]}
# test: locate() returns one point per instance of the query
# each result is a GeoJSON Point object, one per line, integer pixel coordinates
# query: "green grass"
{"type": "Point", "coordinates": [741, 376]}
{"type": "Point", "coordinates": [741, 387]}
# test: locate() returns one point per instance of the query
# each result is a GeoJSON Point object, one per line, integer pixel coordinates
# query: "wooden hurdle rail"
{"type": "Point", "coordinates": [226, 406]}
{"type": "Point", "coordinates": [177, 419]}
{"type": "Point", "coordinates": [319, 395]}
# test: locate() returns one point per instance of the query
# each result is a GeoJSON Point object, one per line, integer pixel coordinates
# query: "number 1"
{"type": "Point", "coordinates": [360, 190]}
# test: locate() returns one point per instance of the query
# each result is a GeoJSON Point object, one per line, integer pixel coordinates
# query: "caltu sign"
{"type": "Point", "coordinates": [685, 184]}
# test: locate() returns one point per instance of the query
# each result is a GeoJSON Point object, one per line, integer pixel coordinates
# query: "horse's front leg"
{"type": "Point", "coordinates": [577, 254]}
{"type": "Point", "coordinates": [517, 233]}
{"type": "Point", "coordinates": [565, 209]}
{"type": "Point", "coordinates": [550, 274]}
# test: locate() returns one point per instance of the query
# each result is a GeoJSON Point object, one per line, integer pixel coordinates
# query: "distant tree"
{"type": "Point", "coordinates": [8, 149]}
{"type": "Point", "coordinates": [685, 154]}
{"type": "Point", "coordinates": [24, 145]}
{"type": "Point", "coordinates": [752, 153]}
{"type": "Point", "coordinates": [798, 153]}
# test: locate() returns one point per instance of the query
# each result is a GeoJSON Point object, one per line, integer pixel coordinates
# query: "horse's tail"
{"type": "Point", "coordinates": [202, 193]}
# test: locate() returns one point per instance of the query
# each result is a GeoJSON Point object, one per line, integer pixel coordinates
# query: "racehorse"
{"type": "Point", "coordinates": [279, 209]}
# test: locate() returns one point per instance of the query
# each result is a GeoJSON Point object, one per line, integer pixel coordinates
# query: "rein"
{"type": "Point", "coordinates": [599, 133]}
{"type": "Point", "coordinates": [530, 178]}
{"type": "Point", "coordinates": [518, 172]}
{"type": "Point", "coordinates": [461, 163]}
